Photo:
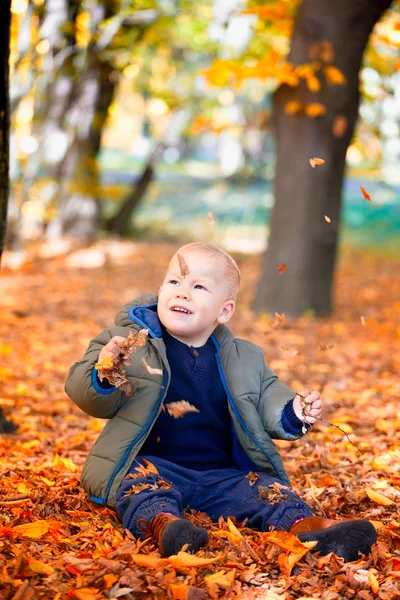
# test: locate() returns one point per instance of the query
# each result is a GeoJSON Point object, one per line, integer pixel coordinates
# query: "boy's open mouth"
{"type": "Point", "coordinates": [180, 309]}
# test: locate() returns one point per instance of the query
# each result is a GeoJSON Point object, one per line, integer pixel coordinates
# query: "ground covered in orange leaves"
{"type": "Point", "coordinates": [55, 543]}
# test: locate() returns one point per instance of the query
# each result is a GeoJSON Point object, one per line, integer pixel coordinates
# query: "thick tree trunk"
{"type": "Point", "coordinates": [5, 19]}
{"type": "Point", "coordinates": [300, 237]}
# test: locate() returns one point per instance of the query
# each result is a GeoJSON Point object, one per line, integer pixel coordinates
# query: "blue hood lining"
{"type": "Point", "coordinates": [147, 317]}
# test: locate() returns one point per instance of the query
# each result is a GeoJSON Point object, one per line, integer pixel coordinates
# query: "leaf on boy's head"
{"type": "Point", "coordinates": [183, 266]}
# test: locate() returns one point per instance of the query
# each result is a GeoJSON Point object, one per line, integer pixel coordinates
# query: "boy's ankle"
{"type": "Point", "coordinates": [171, 533]}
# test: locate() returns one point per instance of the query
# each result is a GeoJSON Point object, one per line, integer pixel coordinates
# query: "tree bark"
{"type": "Point", "coordinates": [300, 236]}
{"type": "Point", "coordinates": [5, 20]}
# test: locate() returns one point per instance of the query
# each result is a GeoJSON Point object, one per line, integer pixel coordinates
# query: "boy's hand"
{"type": "Point", "coordinates": [309, 409]}
{"type": "Point", "coordinates": [111, 348]}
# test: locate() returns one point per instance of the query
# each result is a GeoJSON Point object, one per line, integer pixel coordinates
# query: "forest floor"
{"type": "Point", "coordinates": [55, 543]}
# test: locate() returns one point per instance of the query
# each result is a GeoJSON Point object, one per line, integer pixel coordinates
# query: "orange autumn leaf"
{"type": "Point", "coordinates": [109, 580]}
{"type": "Point", "coordinates": [233, 529]}
{"type": "Point", "coordinates": [339, 126]}
{"type": "Point", "coordinates": [316, 161]}
{"type": "Point", "coordinates": [179, 591]}
{"type": "Point", "coordinates": [150, 561]}
{"type": "Point", "coordinates": [185, 560]}
{"type": "Point", "coordinates": [87, 594]}
{"type": "Point", "coordinates": [286, 562]}
{"type": "Point", "coordinates": [334, 76]}
{"type": "Point", "coordinates": [365, 193]}
{"type": "Point", "coordinates": [288, 541]}
{"type": "Point", "coordinates": [378, 498]}
{"type": "Point", "coordinates": [39, 567]}
{"type": "Point", "coordinates": [31, 530]}
{"type": "Point", "coordinates": [281, 269]}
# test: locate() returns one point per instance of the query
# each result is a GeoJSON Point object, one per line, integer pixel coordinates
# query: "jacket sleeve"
{"type": "Point", "coordinates": [274, 396]}
{"type": "Point", "coordinates": [82, 385]}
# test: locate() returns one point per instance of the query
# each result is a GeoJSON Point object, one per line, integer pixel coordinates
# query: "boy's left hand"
{"type": "Point", "coordinates": [310, 409]}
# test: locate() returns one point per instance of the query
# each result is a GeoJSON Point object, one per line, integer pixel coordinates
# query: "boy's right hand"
{"type": "Point", "coordinates": [111, 348]}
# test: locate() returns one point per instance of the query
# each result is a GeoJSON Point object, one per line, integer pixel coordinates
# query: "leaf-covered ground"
{"type": "Point", "coordinates": [55, 543]}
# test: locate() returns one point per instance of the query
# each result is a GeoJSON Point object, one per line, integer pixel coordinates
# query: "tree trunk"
{"type": "Point", "coordinates": [5, 20]}
{"type": "Point", "coordinates": [300, 236]}
{"type": "Point", "coordinates": [119, 224]}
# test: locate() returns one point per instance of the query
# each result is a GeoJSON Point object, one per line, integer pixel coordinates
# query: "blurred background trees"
{"type": "Point", "coordinates": [159, 119]}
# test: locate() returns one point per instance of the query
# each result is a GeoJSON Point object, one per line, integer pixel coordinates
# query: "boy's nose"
{"type": "Point", "coordinates": [183, 295]}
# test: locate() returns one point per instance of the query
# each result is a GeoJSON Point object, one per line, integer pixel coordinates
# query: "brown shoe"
{"type": "Point", "coordinates": [171, 533]}
{"type": "Point", "coordinates": [345, 538]}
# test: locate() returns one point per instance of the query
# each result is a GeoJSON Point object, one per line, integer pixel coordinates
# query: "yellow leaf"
{"type": "Point", "coordinates": [39, 567]}
{"type": "Point", "coordinates": [286, 562]}
{"type": "Point", "coordinates": [334, 76]}
{"type": "Point", "coordinates": [233, 529]}
{"type": "Point", "coordinates": [373, 582]}
{"type": "Point", "coordinates": [179, 591]}
{"type": "Point", "coordinates": [313, 83]}
{"type": "Point", "coordinates": [224, 580]}
{"type": "Point", "coordinates": [293, 107]}
{"type": "Point", "coordinates": [32, 530]}
{"type": "Point", "coordinates": [150, 561]}
{"type": "Point", "coordinates": [105, 363]}
{"type": "Point", "coordinates": [315, 109]}
{"type": "Point", "coordinates": [226, 534]}
{"type": "Point", "coordinates": [185, 560]}
{"type": "Point", "coordinates": [378, 498]}
{"type": "Point", "coordinates": [288, 541]}
{"type": "Point", "coordinates": [22, 489]}
{"type": "Point", "coordinates": [47, 481]}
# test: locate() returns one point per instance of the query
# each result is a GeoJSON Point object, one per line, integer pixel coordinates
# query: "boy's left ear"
{"type": "Point", "coordinates": [227, 312]}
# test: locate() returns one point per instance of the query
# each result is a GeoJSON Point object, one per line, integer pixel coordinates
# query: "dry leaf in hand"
{"type": "Point", "coordinates": [316, 161]}
{"type": "Point", "coordinates": [183, 266]}
{"type": "Point", "coordinates": [113, 368]}
{"type": "Point", "coordinates": [151, 370]}
{"type": "Point", "coordinates": [365, 193]}
{"type": "Point", "coordinates": [281, 269]}
{"type": "Point", "coordinates": [180, 408]}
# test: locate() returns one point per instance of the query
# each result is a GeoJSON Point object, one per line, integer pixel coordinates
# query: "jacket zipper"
{"type": "Point", "coordinates": [237, 413]}
{"type": "Point", "coordinates": [135, 441]}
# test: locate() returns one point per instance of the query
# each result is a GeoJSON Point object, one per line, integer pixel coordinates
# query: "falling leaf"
{"type": "Point", "coordinates": [378, 498]}
{"type": "Point", "coordinates": [180, 408]}
{"type": "Point", "coordinates": [32, 530]}
{"type": "Point", "coordinates": [149, 560]}
{"type": "Point", "coordinates": [365, 193]}
{"type": "Point", "coordinates": [327, 219]}
{"type": "Point", "coordinates": [185, 560]}
{"type": "Point", "coordinates": [362, 319]}
{"type": "Point", "coordinates": [281, 269]}
{"type": "Point", "coordinates": [182, 265]}
{"type": "Point", "coordinates": [316, 161]}
{"type": "Point", "coordinates": [151, 370]}
{"type": "Point", "coordinates": [39, 567]}
{"type": "Point", "coordinates": [346, 251]}
{"type": "Point", "coordinates": [334, 76]}
{"type": "Point", "coordinates": [339, 126]}
{"type": "Point", "coordinates": [211, 218]}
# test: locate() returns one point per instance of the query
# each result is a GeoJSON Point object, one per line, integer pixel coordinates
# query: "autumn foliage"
{"type": "Point", "coordinates": [55, 543]}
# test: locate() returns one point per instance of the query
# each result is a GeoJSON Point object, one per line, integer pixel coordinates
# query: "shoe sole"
{"type": "Point", "coordinates": [179, 533]}
{"type": "Point", "coordinates": [346, 539]}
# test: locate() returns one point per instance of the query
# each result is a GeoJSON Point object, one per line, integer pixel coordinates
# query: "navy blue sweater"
{"type": "Point", "coordinates": [203, 440]}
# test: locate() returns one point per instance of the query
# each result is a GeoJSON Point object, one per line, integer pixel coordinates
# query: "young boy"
{"type": "Point", "coordinates": [206, 455]}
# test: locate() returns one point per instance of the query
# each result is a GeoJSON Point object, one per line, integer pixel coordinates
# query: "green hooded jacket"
{"type": "Point", "coordinates": [255, 398]}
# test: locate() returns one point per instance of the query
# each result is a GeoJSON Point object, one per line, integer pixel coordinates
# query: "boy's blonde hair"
{"type": "Point", "coordinates": [231, 269]}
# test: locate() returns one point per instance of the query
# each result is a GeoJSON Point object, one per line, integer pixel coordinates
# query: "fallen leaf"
{"type": "Point", "coordinates": [221, 578]}
{"type": "Point", "coordinates": [288, 541]}
{"type": "Point", "coordinates": [150, 561]}
{"type": "Point", "coordinates": [109, 580]}
{"type": "Point", "coordinates": [185, 560]}
{"type": "Point", "coordinates": [253, 478]}
{"type": "Point", "coordinates": [233, 529]}
{"type": "Point", "coordinates": [32, 530]}
{"type": "Point", "coordinates": [39, 567]}
{"type": "Point", "coordinates": [87, 594]}
{"type": "Point", "coordinates": [365, 193]}
{"type": "Point", "coordinates": [374, 582]}
{"type": "Point", "coordinates": [180, 408]}
{"type": "Point", "coordinates": [151, 370]}
{"type": "Point", "coordinates": [179, 591]}
{"type": "Point", "coordinates": [281, 269]}
{"type": "Point", "coordinates": [378, 498]}
{"type": "Point", "coordinates": [316, 161]}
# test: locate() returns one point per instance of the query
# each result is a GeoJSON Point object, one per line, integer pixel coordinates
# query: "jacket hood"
{"type": "Point", "coordinates": [142, 312]}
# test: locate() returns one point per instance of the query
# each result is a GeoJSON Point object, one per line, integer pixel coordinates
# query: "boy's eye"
{"type": "Point", "coordinates": [198, 285]}
{"type": "Point", "coordinates": [173, 281]}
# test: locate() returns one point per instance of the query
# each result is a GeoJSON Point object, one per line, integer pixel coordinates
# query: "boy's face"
{"type": "Point", "coordinates": [202, 292]}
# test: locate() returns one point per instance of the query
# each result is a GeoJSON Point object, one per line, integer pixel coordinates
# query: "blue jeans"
{"type": "Point", "coordinates": [218, 492]}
